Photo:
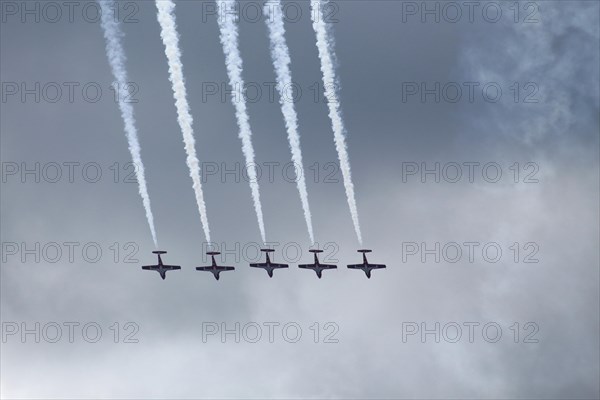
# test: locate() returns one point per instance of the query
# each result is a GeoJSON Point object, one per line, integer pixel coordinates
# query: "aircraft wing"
{"type": "Point", "coordinates": [259, 265]}
{"type": "Point", "coordinates": [208, 268]}
{"type": "Point", "coordinates": [225, 268]}
{"type": "Point", "coordinates": [306, 266]}
{"type": "Point", "coordinates": [376, 266]}
{"type": "Point", "coordinates": [356, 266]}
{"type": "Point", "coordinates": [328, 266]}
{"type": "Point", "coordinates": [150, 267]}
{"type": "Point", "coordinates": [279, 265]}
{"type": "Point", "coordinates": [171, 267]}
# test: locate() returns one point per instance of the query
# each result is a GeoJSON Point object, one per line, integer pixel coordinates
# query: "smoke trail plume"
{"type": "Point", "coordinates": [326, 55]}
{"type": "Point", "coordinates": [170, 38]}
{"type": "Point", "coordinates": [281, 64]}
{"type": "Point", "coordinates": [116, 59]}
{"type": "Point", "coordinates": [233, 60]}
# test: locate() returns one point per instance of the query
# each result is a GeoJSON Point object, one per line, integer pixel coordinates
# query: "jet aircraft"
{"type": "Point", "coordinates": [160, 267]}
{"type": "Point", "coordinates": [214, 268]}
{"type": "Point", "coordinates": [317, 266]}
{"type": "Point", "coordinates": [365, 266]}
{"type": "Point", "coordinates": [268, 265]}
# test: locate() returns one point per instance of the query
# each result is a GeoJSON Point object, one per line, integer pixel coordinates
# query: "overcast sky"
{"type": "Point", "coordinates": [501, 88]}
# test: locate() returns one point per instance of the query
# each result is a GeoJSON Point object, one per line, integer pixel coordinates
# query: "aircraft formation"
{"type": "Point", "coordinates": [268, 266]}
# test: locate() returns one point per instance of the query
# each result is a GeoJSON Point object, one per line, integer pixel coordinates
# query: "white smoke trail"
{"type": "Point", "coordinates": [233, 60]}
{"type": "Point", "coordinates": [170, 38]}
{"type": "Point", "coordinates": [116, 59]}
{"type": "Point", "coordinates": [326, 55]}
{"type": "Point", "coordinates": [281, 64]}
